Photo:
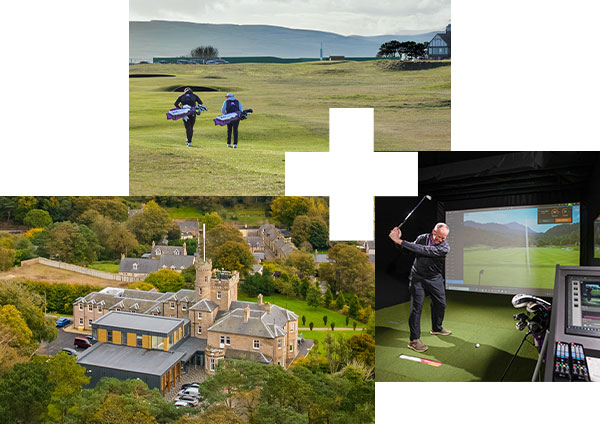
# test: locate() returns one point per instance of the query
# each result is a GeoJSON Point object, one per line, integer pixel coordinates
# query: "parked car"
{"type": "Point", "coordinates": [216, 62]}
{"type": "Point", "coordinates": [69, 351]}
{"type": "Point", "coordinates": [81, 342]}
{"type": "Point", "coordinates": [144, 62]}
{"type": "Point", "coordinates": [182, 404]}
{"type": "Point", "coordinates": [182, 62]}
{"type": "Point", "coordinates": [190, 391]}
{"type": "Point", "coordinates": [62, 322]}
{"type": "Point", "coordinates": [189, 399]}
{"type": "Point", "coordinates": [162, 62]}
{"type": "Point", "coordinates": [91, 339]}
{"type": "Point", "coordinates": [194, 384]}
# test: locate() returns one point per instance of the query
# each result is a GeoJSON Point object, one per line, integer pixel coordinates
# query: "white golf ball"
{"type": "Point", "coordinates": [477, 345]}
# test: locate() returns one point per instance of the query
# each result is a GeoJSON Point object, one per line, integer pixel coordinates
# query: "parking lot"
{"type": "Point", "coordinates": [64, 339]}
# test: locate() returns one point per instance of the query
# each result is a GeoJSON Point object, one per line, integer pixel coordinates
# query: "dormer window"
{"type": "Point", "coordinates": [177, 252]}
{"type": "Point", "coordinates": [135, 266]}
{"type": "Point", "coordinates": [183, 307]}
{"type": "Point", "coordinates": [173, 267]}
{"type": "Point", "coordinates": [99, 308]}
{"type": "Point", "coordinates": [172, 305]}
{"type": "Point", "coordinates": [158, 251]}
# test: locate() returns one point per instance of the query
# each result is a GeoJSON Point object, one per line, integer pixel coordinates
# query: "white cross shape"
{"type": "Point", "coordinates": [351, 174]}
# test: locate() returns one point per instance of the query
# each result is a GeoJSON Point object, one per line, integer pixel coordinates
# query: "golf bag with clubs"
{"type": "Point", "coordinates": [184, 112]}
{"type": "Point", "coordinates": [233, 116]}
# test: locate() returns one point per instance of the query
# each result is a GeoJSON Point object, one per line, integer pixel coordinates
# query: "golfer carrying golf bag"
{"type": "Point", "coordinates": [190, 99]}
{"type": "Point", "coordinates": [426, 275]}
{"type": "Point", "coordinates": [231, 105]}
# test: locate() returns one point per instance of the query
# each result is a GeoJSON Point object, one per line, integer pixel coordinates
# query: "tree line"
{"type": "Point", "coordinates": [395, 48]}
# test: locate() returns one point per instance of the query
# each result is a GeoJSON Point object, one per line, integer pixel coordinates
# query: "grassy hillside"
{"type": "Point", "coordinates": [291, 104]}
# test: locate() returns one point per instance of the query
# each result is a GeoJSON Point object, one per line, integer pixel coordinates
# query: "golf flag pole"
{"type": "Point", "coordinates": [203, 242]}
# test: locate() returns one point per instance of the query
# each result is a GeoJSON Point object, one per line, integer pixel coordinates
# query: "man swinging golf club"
{"type": "Point", "coordinates": [230, 105]}
{"type": "Point", "coordinates": [426, 275]}
{"type": "Point", "coordinates": [190, 99]}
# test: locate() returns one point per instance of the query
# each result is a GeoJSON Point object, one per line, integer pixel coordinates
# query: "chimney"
{"type": "Point", "coordinates": [267, 307]}
{"type": "Point", "coordinates": [260, 296]}
{"type": "Point", "coordinates": [184, 248]}
{"type": "Point", "coordinates": [122, 255]}
{"type": "Point", "coordinates": [153, 244]}
{"type": "Point", "coordinates": [246, 313]}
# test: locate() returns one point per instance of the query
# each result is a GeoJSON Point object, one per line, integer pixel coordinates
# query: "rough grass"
{"type": "Point", "coordinates": [291, 103]}
{"type": "Point", "coordinates": [41, 272]}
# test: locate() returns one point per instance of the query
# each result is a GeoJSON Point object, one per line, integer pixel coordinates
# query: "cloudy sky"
{"type": "Point", "coordinates": [346, 17]}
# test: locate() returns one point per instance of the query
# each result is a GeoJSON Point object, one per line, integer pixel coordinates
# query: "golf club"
{"type": "Point", "coordinates": [428, 197]}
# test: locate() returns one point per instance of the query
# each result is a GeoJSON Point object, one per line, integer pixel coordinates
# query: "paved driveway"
{"type": "Point", "coordinates": [64, 339]}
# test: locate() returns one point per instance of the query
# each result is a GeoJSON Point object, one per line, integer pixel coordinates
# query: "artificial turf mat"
{"type": "Point", "coordinates": [473, 318]}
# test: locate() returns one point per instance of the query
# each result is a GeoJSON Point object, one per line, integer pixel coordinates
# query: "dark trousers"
{"type": "Point", "coordinates": [189, 127]}
{"type": "Point", "coordinates": [233, 126]}
{"type": "Point", "coordinates": [437, 293]}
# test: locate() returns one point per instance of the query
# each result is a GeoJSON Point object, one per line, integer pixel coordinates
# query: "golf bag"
{"type": "Point", "coordinates": [233, 116]}
{"type": "Point", "coordinates": [184, 112]}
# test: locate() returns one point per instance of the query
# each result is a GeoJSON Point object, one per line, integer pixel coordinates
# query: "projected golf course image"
{"type": "Point", "coordinates": [509, 248]}
{"type": "Point", "coordinates": [291, 104]}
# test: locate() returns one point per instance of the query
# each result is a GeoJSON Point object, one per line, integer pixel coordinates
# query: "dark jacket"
{"type": "Point", "coordinates": [189, 99]}
{"type": "Point", "coordinates": [430, 259]}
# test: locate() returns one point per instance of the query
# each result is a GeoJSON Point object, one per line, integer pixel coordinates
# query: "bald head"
{"type": "Point", "coordinates": [440, 232]}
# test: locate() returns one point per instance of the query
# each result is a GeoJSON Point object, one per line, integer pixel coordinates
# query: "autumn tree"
{"type": "Point", "coordinates": [150, 225]}
{"type": "Point", "coordinates": [68, 242]}
{"type": "Point", "coordinates": [304, 262]}
{"type": "Point", "coordinates": [234, 256]}
{"type": "Point", "coordinates": [219, 235]}
{"type": "Point", "coordinates": [285, 209]}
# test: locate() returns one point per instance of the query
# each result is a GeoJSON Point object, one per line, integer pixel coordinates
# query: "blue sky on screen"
{"type": "Point", "coordinates": [524, 216]}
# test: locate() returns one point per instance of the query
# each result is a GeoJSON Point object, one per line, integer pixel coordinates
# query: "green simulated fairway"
{"type": "Point", "coordinates": [473, 318]}
{"type": "Point", "coordinates": [291, 104]}
{"type": "Point", "coordinates": [507, 266]}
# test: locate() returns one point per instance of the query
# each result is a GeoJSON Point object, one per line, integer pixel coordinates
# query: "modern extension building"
{"type": "Point", "coordinates": [154, 336]}
{"type": "Point", "coordinates": [440, 46]}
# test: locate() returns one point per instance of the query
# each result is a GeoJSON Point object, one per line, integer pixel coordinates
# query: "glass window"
{"type": "Point", "coordinates": [183, 307]}
{"type": "Point", "coordinates": [90, 307]}
{"type": "Point", "coordinates": [109, 336]}
{"type": "Point", "coordinates": [279, 344]}
{"type": "Point", "coordinates": [228, 340]}
{"type": "Point", "coordinates": [138, 340]}
{"type": "Point", "coordinates": [99, 308]}
{"type": "Point", "coordinates": [199, 329]}
{"type": "Point", "coordinates": [172, 305]}
{"type": "Point", "coordinates": [200, 315]}
{"type": "Point", "coordinates": [292, 347]}
{"type": "Point", "coordinates": [222, 341]}
{"type": "Point", "coordinates": [218, 295]}
{"type": "Point", "coordinates": [292, 327]}
{"type": "Point", "coordinates": [81, 306]}
{"type": "Point", "coordinates": [80, 321]}
{"type": "Point", "coordinates": [212, 364]}
{"type": "Point", "coordinates": [90, 322]}
{"type": "Point", "coordinates": [171, 339]}
{"type": "Point", "coordinates": [256, 344]}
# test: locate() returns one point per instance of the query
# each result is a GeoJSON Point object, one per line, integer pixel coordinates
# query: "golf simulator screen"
{"type": "Point", "coordinates": [511, 250]}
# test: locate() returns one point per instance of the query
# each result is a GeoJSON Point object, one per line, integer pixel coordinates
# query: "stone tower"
{"type": "Point", "coordinates": [203, 278]}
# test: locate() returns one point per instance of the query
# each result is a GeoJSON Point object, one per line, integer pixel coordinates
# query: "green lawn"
{"type": "Point", "coordinates": [507, 266]}
{"type": "Point", "coordinates": [291, 104]}
{"type": "Point", "coordinates": [106, 266]}
{"type": "Point", "coordinates": [239, 214]}
{"type": "Point", "coordinates": [300, 307]}
{"type": "Point", "coordinates": [320, 336]}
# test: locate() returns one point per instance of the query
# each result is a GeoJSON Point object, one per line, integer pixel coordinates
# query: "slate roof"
{"type": "Point", "coordinates": [132, 359]}
{"type": "Point", "coordinates": [144, 266]}
{"type": "Point", "coordinates": [191, 226]}
{"type": "Point", "coordinates": [160, 250]}
{"type": "Point", "coordinates": [248, 355]}
{"type": "Point", "coordinates": [141, 322]}
{"type": "Point", "coordinates": [321, 258]}
{"type": "Point", "coordinates": [204, 305]}
{"type": "Point", "coordinates": [179, 262]}
{"type": "Point", "coordinates": [260, 323]}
